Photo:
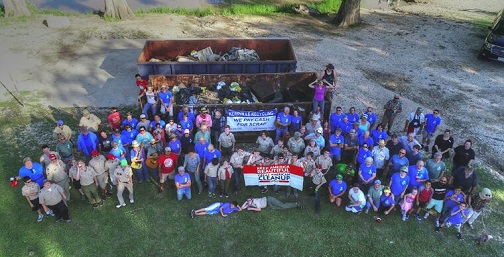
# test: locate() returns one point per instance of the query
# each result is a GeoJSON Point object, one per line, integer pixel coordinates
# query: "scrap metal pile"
{"type": "Point", "coordinates": [207, 55]}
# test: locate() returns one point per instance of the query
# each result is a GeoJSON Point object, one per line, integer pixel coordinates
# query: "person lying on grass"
{"type": "Point", "coordinates": [223, 208]}
{"type": "Point", "coordinates": [257, 204]}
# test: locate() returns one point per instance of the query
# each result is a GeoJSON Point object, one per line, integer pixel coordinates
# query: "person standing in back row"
{"type": "Point", "coordinates": [329, 76]}
{"type": "Point", "coordinates": [392, 108]}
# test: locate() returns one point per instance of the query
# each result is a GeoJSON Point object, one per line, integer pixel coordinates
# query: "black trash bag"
{"type": "Point", "coordinates": [196, 90]}
{"type": "Point", "coordinates": [183, 96]}
{"type": "Point", "coordinates": [225, 92]}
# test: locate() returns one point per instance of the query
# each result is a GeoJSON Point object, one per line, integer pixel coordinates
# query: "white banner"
{"type": "Point", "coordinates": [242, 121]}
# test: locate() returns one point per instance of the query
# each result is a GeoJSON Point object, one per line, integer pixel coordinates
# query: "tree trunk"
{"type": "Point", "coordinates": [348, 13]}
{"type": "Point", "coordinates": [117, 9]}
{"type": "Point", "coordinates": [14, 8]}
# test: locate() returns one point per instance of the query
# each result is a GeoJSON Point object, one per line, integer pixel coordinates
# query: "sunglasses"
{"type": "Point", "coordinates": [436, 112]}
{"type": "Point", "coordinates": [402, 153]}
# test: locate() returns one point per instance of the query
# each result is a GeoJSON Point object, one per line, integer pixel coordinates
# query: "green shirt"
{"type": "Point", "coordinates": [341, 168]}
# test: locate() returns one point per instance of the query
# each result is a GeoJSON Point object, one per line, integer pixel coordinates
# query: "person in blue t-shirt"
{"type": "Point", "coordinates": [166, 99]}
{"type": "Point", "coordinates": [396, 162]}
{"type": "Point", "coordinates": [387, 201]}
{"type": "Point", "coordinates": [371, 116]}
{"type": "Point", "coordinates": [282, 123]}
{"type": "Point", "coordinates": [363, 153]}
{"type": "Point", "coordinates": [366, 138]}
{"type": "Point", "coordinates": [175, 144]}
{"type": "Point", "coordinates": [223, 208]}
{"type": "Point", "coordinates": [458, 215]}
{"type": "Point", "coordinates": [296, 122]}
{"type": "Point", "coordinates": [352, 116]}
{"type": "Point", "coordinates": [367, 173]}
{"type": "Point", "coordinates": [418, 175]}
{"type": "Point", "coordinates": [183, 184]}
{"type": "Point", "coordinates": [336, 142]}
{"type": "Point", "coordinates": [335, 118]}
{"type": "Point", "coordinates": [432, 122]}
{"type": "Point", "coordinates": [210, 154]}
{"type": "Point", "coordinates": [345, 125]}
{"type": "Point", "coordinates": [378, 134]}
{"type": "Point", "coordinates": [452, 198]}
{"type": "Point", "coordinates": [129, 121]}
{"type": "Point", "coordinates": [190, 115]}
{"type": "Point", "coordinates": [34, 170]}
{"type": "Point", "coordinates": [337, 188]}
{"type": "Point", "coordinates": [87, 142]}
{"type": "Point", "coordinates": [399, 183]}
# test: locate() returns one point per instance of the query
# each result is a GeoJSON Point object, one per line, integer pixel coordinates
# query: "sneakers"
{"type": "Point", "coordinates": [299, 205]}
{"type": "Point", "coordinates": [407, 217]}
{"type": "Point", "coordinates": [95, 206]}
{"type": "Point", "coordinates": [147, 180]}
{"type": "Point", "coordinates": [264, 190]}
{"type": "Point", "coordinates": [220, 195]}
{"type": "Point", "coordinates": [287, 195]}
{"type": "Point", "coordinates": [140, 181]}
{"type": "Point", "coordinates": [40, 217]}
{"type": "Point", "coordinates": [403, 218]}
{"type": "Point", "coordinates": [50, 214]}
{"type": "Point", "coordinates": [418, 217]}
{"type": "Point", "coordinates": [120, 205]}
{"type": "Point", "coordinates": [210, 195]}
{"type": "Point", "coordinates": [459, 236]}
{"type": "Point", "coordinates": [471, 225]}
{"type": "Point", "coordinates": [366, 211]}
{"type": "Point", "coordinates": [132, 201]}
{"type": "Point", "coordinates": [437, 223]}
{"type": "Point", "coordinates": [58, 220]}
{"type": "Point", "coordinates": [192, 214]}
{"type": "Point", "coordinates": [226, 195]}
{"type": "Point", "coordinates": [83, 197]}
{"type": "Point", "coordinates": [426, 215]}
{"type": "Point", "coordinates": [109, 195]}
{"type": "Point", "coordinates": [68, 220]}
{"type": "Point", "coordinates": [437, 229]}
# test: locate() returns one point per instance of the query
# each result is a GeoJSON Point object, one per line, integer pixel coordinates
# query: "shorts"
{"type": "Point", "coordinates": [457, 226]}
{"type": "Point", "coordinates": [163, 177]}
{"type": "Point", "coordinates": [426, 134]}
{"type": "Point", "coordinates": [437, 204]}
{"type": "Point", "coordinates": [102, 180]}
{"type": "Point", "coordinates": [36, 204]}
{"type": "Point", "coordinates": [212, 209]}
{"type": "Point", "coordinates": [421, 204]}
{"type": "Point", "coordinates": [333, 198]}
{"type": "Point", "coordinates": [77, 185]}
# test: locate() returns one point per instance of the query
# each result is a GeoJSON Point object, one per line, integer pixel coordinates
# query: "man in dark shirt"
{"type": "Point", "coordinates": [463, 154]}
{"type": "Point", "coordinates": [440, 188]}
{"type": "Point", "coordinates": [466, 178]}
{"type": "Point", "coordinates": [393, 145]}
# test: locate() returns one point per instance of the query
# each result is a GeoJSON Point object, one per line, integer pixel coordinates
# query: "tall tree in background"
{"type": "Point", "coordinates": [348, 13]}
{"type": "Point", "coordinates": [14, 8]}
{"type": "Point", "coordinates": [117, 9]}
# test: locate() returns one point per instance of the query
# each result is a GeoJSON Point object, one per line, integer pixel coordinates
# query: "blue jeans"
{"type": "Point", "coordinates": [237, 176]}
{"type": "Point", "coordinates": [197, 178]}
{"type": "Point", "coordinates": [212, 183]}
{"type": "Point", "coordinates": [317, 103]}
{"type": "Point", "coordinates": [155, 173]}
{"type": "Point", "coordinates": [280, 132]}
{"type": "Point", "coordinates": [148, 106]}
{"type": "Point", "coordinates": [184, 191]}
{"type": "Point", "coordinates": [142, 173]}
{"type": "Point", "coordinates": [368, 204]}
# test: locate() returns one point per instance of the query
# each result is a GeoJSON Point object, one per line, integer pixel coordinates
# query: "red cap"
{"type": "Point", "coordinates": [95, 153]}
{"type": "Point", "coordinates": [52, 156]}
{"type": "Point", "coordinates": [111, 156]}
{"type": "Point", "coordinates": [319, 166]}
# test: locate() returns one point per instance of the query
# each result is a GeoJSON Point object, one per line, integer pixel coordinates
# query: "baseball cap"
{"type": "Point", "coordinates": [181, 168]}
{"type": "Point", "coordinates": [352, 131]}
{"type": "Point", "coordinates": [142, 116]}
{"type": "Point", "coordinates": [111, 156]}
{"type": "Point", "coordinates": [124, 162]}
{"type": "Point", "coordinates": [95, 153]}
{"type": "Point", "coordinates": [319, 130]}
{"type": "Point", "coordinates": [60, 122]}
{"type": "Point", "coordinates": [404, 169]}
{"type": "Point", "coordinates": [167, 149]}
{"type": "Point", "coordinates": [297, 134]}
{"type": "Point", "coordinates": [377, 182]}
{"type": "Point", "coordinates": [339, 177]}
{"type": "Point", "coordinates": [186, 131]}
{"type": "Point", "coordinates": [52, 156]}
{"type": "Point", "coordinates": [485, 194]}
{"type": "Point", "coordinates": [419, 109]}
{"type": "Point", "coordinates": [85, 112]}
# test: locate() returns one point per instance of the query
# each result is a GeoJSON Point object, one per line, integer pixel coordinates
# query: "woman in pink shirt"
{"type": "Point", "coordinates": [204, 118]}
{"type": "Point", "coordinates": [319, 87]}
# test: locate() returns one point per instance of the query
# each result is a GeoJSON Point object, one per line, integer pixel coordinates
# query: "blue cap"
{"type": "Point", "coordinates": [60, 122]}
{"type": "Point", "coordinates": [377, 182]}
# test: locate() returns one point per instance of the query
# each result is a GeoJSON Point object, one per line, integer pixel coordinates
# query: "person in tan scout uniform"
{"type": "Point", "coordinates": [87, 177]}
{"type": "Point", "coordinates": [56, 171]}
{"type": "Point", "coordinates": [110, 166]}
{"type": "Point", "coordinates": [62, 130]}
{"type": "Point", "coordinates": [90, 121]}
{"type": "Point", "coordinates": [97, 162]}
{"type": "Point", "coordinates": [72, 173]}
{"type": "Point", "coordinates": [31, 190]}
{"type": "Point", "coordinates": [124, 178]}
{"type": "Point", "coordinates": [53, 197]}
{"type": "Point", "coordinates": [46, 151]}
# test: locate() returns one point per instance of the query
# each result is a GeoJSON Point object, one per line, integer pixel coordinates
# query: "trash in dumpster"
{"type": "Point", "coordinates": [207, 55]}
{"type": "Point", "coordinates": [219, 93]}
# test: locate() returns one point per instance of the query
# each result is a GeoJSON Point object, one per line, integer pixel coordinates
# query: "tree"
{"type": "Point", "coordinates": [117, 9]}
{"type": "Point", "coordinates": [14, 8]}
{"type": "Point", "coordinates": [348, 13]}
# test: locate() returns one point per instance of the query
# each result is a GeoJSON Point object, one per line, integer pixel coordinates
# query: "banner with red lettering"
{"type": "Point", "coordinates": [282, 175]}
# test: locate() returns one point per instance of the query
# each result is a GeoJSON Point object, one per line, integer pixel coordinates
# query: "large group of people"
{"type": "Point", "coordinates": [353, 156]}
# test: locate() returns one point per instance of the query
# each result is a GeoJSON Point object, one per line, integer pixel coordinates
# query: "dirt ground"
{"type": "Point", "coordinates": [424, 51]}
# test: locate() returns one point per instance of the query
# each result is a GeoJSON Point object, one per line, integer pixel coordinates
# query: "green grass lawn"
{"type": "Point", "coordinates": [158, 225]}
